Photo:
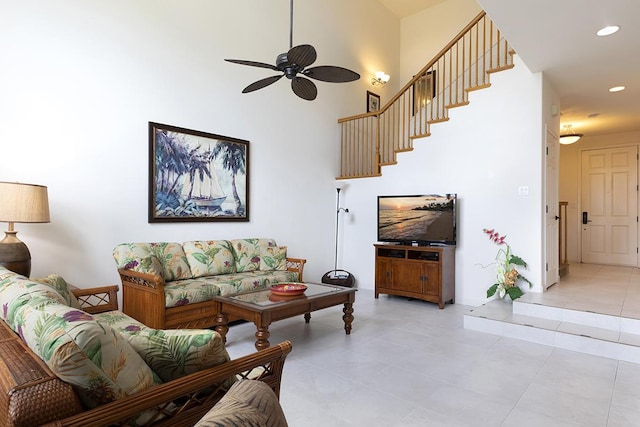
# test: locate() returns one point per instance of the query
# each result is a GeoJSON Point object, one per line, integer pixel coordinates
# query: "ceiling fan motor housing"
{"type": "Point", "coordinates": [282, 63]}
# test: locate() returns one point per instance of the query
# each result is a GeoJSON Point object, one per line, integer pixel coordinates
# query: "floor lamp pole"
{"type": "Point", "coordinates": [331, 277]}
{"type": "Point", "coordinates": [335, 264]}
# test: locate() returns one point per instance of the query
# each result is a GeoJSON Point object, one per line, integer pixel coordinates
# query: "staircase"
{"type": "Point", "coordinates": [529, 319]}
{"type": "Point", "coordinates": [372, 140]}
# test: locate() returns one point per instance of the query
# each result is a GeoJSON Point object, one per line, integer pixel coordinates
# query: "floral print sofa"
{"type": "Point", "coordinates": [172, 285]}
{"type": "Point", "coordinates": [63, 358]}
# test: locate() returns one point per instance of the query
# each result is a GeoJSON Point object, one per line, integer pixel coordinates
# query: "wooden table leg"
{"type": "Point", "coordinates": [222, 326]}
{"type": "Point", "coordinates": [262, 337]}
{"type": "Point", "coordinates": [348, 317]}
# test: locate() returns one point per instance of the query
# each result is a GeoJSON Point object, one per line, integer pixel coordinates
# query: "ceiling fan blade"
{"type": "Point", "coordinates": [302, 55]}
{"type": "Point", "coordinates": [261, 83]}
{"type": "Point", "coordinates": [304, 88]}
{"type": "Point", "coordinates": [329, 73]}
{"type": "Point", "coordinates": [253, 64]}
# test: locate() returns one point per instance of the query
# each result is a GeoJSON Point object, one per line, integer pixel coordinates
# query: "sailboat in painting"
{"type": "Point", "coordinates": [204, 189]}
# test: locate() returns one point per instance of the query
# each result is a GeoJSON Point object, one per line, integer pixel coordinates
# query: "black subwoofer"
{"type": "Point", "coordinates": [339, 278]}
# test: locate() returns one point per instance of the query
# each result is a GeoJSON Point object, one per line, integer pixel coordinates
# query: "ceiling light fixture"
{"type": "Point", "coordinates": [380, 79]}
{"type": "Point", "coordinates": [569, 136]}
{"type": "Point", "coordinates": [617, 89]}
{"type": "Point", "coordinates": [607, 31]}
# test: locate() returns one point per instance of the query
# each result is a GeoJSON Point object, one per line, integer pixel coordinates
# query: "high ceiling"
{"type": "Point", "coordinates": [558, 38]}
{"type": "Point", "coordinates": [402, 8]}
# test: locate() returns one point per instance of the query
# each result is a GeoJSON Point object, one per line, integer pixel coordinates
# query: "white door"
{"type": "Point", "coordinates": [610, 206]}
{"type": "Point", "coordinates": [552, 215]}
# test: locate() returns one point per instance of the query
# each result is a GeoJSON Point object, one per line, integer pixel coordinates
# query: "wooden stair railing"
{"type": "Point", "coordinates": [563, 240]}
{"type": "Point", "coordinates": [372, 140]}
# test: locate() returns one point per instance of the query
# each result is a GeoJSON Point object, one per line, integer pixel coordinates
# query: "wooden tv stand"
{"type": "Point", "coordinates": [421, 272]}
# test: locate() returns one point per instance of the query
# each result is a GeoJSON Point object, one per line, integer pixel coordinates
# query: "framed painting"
{"type": "Point", "coordinates": [424, 90]}
{"type": "Point", "coordinates": [373, 102]}
{"type": "Point", "coordinates": [197, 176]}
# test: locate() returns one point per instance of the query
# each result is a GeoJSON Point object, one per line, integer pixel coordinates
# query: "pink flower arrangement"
{"type": "Point", "coordinates": [507, 276]}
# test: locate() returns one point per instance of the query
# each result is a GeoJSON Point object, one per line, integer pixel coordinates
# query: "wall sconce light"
{"type": "Point", "coordinates": [569, 136]}
{"type": "Point", "coordinates": [380, 79]}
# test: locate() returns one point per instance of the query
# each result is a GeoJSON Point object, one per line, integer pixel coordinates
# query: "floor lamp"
{"type": "Point", "coordinates": [335, 276]}
{"type": "Point", "coordinates": [20, 203]}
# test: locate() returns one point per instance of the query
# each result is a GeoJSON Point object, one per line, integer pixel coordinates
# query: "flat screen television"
{"type": "Point", "coordinates": [427, 219]}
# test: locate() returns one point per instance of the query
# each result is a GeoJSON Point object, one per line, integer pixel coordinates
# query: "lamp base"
{"type": "Point", "coordinates": [14, 254]}
{"type": "Point", "coordinates": [339, 278]}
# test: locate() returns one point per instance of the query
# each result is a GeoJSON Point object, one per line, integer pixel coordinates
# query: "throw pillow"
{"type": "Point", "coordinates": [273, 258]}
{"type": "Point", "coordinates": [93, 357]}
{"type": "Point", "coordinates": [209, 257]}
{"type": "Point", "coordinates": [149, 264]}
{"type": "Point", "coordinates": [171, 256]}
{"type": "Point", "coordinates": [247, 403]}
{"type": "Point", "coordinates": [170, 353]}
{"type": "Point", "coordinates": [248, 252]}
{"type": "Point", "coordinates": [59, 284]}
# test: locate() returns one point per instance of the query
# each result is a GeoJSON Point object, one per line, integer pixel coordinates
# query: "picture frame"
{"type": "Point", "coordinates": [197, 176]}
{"type": "Point", "coordinates": [373, 102]}
{"type": "Point", "coordinates": [424, 90]}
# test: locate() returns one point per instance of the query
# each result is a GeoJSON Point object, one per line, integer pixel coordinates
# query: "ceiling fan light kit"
{"type": "Point", "coordinates": [292, 65]}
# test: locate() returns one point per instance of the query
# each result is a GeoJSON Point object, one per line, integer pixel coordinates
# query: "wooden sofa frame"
{"type": "Point", "coordinates": [143, 299]}
{"type": "Point", "coordinates": [31, 394]}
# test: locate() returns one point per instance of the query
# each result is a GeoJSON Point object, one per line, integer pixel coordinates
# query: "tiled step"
{"type": "Point", "coordinates": [586, 332]}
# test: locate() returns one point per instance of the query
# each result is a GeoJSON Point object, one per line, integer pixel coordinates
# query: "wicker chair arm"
{"type": "Point", "coordinates": [98, 299]}
{"type": "Point", "coordinates": [297, 265]}
{"type": "Point", "coordinates": [182, 402]}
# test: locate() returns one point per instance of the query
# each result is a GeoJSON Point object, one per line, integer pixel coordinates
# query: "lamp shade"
{"type": "Point", "coordinates": [23, 202]}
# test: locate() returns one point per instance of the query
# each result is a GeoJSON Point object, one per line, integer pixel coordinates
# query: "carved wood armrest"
{"type": "Point", "coordinates": [188, 398]}
{"type": "Point", "coordinates": [297, 265]}
{"type": "Point", "coordinates": [142, 279]}
{"type": "Point", "coordinates": [98, 299]}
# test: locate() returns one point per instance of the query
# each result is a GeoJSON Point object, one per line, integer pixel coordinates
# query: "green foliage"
{"type": "Point", "coordinates": [517, 261]}
{"type": "Point", "coordinates": [514, 292]}
{"type": "Point", "coordinates": [492, 290]}
{"type": "Point", "coordinates": [507, 275]}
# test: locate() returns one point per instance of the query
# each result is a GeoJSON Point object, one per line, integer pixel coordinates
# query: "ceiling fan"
{"type": "Point", "coordinates": [293, 63]}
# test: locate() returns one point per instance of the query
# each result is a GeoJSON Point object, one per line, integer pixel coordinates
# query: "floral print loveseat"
{"type": "Point", "coordinates": [172, 285]}
{"type": "Point", "coordinates": [62, 358]}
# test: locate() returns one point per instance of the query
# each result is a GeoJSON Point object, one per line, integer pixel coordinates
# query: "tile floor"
{"type": "Point", "coordinates": [601, 289]}
{"type": "Point", "coordinates": [407, 363]}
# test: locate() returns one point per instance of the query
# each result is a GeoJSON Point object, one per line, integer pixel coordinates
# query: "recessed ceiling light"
{"type": "Point", "coordinates": [617, 89]}
{"type": "Point", "coordinates": [607, 31]}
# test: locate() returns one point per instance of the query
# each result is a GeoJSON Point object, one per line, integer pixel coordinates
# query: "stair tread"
{"type": "Point", "coordinates": [500, 311]}
{"type": "Point", "coordinates": [494, 318]}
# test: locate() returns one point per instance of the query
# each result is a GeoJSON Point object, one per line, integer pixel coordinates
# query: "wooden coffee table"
{"type": "Point", "coordinates": [262, 308]}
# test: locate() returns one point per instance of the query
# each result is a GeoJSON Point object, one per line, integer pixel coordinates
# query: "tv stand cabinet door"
{"type": "Point", "coordinates": [383, 275]}
{"type": "Point", "coordinates": [408, 276]}
{"type": "Point", "coordinates": [431, 277]}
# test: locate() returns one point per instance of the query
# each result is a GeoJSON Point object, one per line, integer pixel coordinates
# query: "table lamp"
{"type": "Point", "coordinates": [20, 203]}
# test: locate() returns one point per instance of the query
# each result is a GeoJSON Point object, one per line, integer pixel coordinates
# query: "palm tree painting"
{"type": "Point", "coordinates": [196, 176]}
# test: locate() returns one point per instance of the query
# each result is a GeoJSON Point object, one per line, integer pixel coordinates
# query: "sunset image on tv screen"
{"type": "Point", "coordinates": [416, 218]}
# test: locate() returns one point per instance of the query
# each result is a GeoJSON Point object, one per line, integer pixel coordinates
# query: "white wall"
{"type": "Point", "coordinates": [81, 80]}
{"type": "Point", "coordinates": [483, 153]}
{"type": "Point", "coordinates": [570, 176]}
{"type": "Point", "coordinates": [424, 34]}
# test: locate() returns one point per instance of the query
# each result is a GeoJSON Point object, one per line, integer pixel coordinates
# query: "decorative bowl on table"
{"type": "Point", "coordinates": [288, 289]}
